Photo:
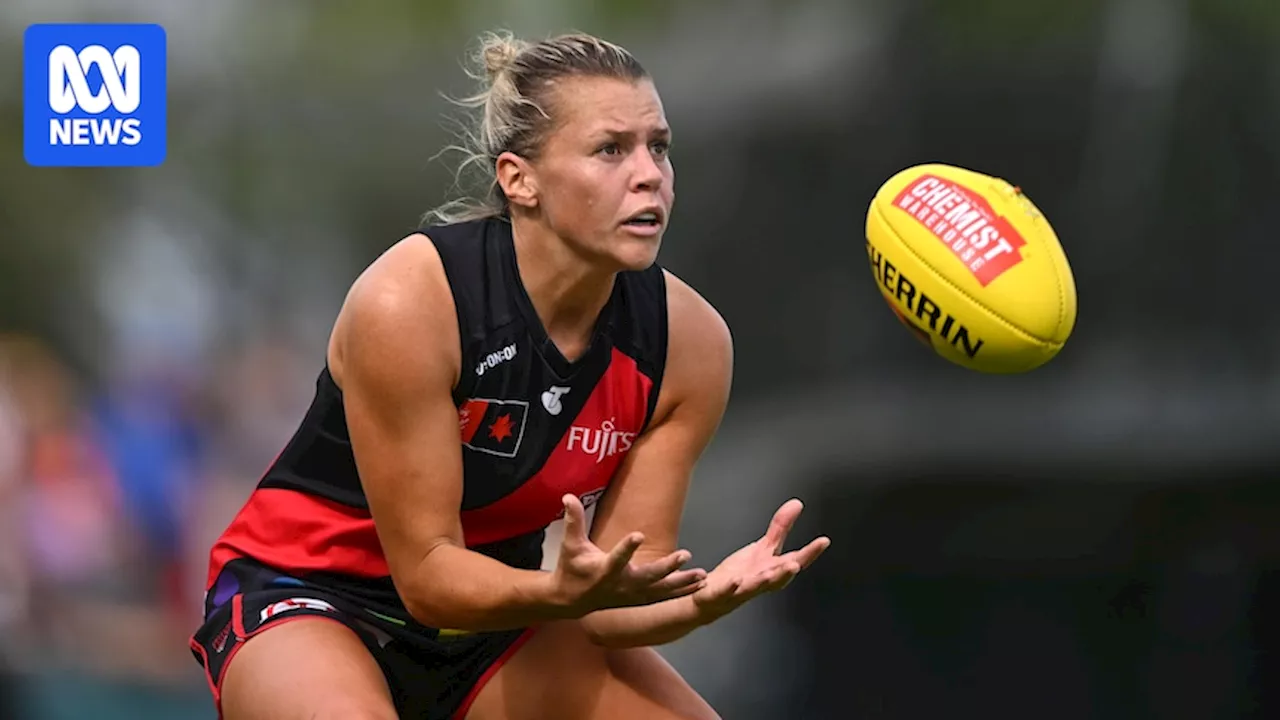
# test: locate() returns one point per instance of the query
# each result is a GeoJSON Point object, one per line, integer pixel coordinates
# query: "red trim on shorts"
{"type": "Point", "coordinates": [215, 686]}
{"type": "Point", "coordinates": [492, 670]}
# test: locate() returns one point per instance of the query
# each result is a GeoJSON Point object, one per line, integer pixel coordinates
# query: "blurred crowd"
{"type": "Point", "coordinates": [112, 491]}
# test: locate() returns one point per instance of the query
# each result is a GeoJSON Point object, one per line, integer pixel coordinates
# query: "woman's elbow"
{"type": "Point", "coordinates": [424, 614]}
{"type": "Point", "coordinates": [427, 606]}
{"type": "Point", "coordinates": [421, 609]}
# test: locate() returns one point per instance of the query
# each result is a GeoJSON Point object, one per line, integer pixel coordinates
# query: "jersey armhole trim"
{"type": "Point", "coordinates": [463, 319]}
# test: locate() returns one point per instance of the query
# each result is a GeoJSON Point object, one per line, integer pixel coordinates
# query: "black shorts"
{"type": "Point", "coordinates": [430, 678]}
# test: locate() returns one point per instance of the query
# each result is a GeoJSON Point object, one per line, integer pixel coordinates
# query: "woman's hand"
{"type": "Point", "coordinates": [588, 578]}
{"type": "Point", "coordinates": [757, 568]}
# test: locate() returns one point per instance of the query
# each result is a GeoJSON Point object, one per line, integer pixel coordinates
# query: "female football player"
{"type": "Point", "coordinates": [519, 359]}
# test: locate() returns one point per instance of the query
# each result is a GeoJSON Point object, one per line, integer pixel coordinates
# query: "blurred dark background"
{"type": "Point", "coordinates": [1092, 540]}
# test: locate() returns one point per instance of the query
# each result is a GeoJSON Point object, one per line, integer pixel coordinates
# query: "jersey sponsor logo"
{"type": "Point", "coordinates": [495, 427]}
{"type": "Point", "coordinates": [494, 359]}
{"type": "Point", "coordinates": [602, 442]}
{"type": "Point", "coordinates": [298, 603]}
{"type": "Point", "coordinates": [551, 399]}
{"type": "Point", "coordinates": [598, 430]}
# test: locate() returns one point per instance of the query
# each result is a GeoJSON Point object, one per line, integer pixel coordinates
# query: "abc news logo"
{"type": "Point", "coordinates": [95, 95]}
{"type": "Point", "coordinates": [69, 89]}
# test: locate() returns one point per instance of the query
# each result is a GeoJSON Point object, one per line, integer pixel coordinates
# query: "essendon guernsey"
{"type": "Point", "coordinates": [532, 427]}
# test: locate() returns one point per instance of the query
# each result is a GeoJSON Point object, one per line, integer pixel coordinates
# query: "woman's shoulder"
{"type": "Point", "coordinates": [396, 310]}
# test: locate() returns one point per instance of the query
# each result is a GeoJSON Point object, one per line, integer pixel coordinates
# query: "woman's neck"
{"type": "Point", "coordinates": [567, 292]}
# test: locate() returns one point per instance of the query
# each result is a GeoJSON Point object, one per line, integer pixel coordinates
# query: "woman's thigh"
{"type": "Point", "coordinates": [306, 669]}
{"type": "Point", "coordinates": [559, 673]}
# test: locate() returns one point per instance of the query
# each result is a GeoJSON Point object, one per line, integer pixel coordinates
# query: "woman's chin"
{"type": "Point", "coordinates": [633, 251]}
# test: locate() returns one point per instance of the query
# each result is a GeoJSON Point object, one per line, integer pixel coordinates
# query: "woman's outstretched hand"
{"type": "Point", "coordinates": [759, 567]}
{"type": "Point", "coordinates": [589, 578]}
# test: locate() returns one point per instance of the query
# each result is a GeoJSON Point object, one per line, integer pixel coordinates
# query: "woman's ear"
{"type": "Point", "coordinates": [517, 179]}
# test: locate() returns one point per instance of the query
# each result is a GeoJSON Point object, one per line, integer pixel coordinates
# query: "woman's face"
{"type": "Point", "coordinates": [603, 177]}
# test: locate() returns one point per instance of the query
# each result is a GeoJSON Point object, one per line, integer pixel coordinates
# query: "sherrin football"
{"type": "Point", "coordinates": [970, 265]}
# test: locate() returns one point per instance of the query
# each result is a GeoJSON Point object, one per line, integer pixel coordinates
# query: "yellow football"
{"type": "Point", "coordinates": [972, 267]}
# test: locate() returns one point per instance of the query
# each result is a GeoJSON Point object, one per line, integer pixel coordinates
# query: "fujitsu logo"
{"type": "Point", "coordinates": [602, 442]}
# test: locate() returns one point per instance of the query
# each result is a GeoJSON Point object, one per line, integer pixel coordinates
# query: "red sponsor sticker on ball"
{"type": "Point", "coordinates": [965, 222]}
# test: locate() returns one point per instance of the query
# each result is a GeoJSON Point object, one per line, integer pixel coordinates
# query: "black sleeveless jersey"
{"type": "Point", "coordinates": [532, 425]}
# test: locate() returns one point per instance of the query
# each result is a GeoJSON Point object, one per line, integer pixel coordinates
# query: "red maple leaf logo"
{"type": "Point", "coordinates": [501, 428]}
